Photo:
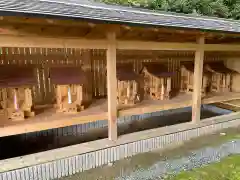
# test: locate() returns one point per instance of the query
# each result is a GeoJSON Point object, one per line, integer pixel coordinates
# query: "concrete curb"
{"type": "Point", "coordinates": [78, 163]}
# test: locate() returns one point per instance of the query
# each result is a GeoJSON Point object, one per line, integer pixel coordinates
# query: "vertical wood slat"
{"type": "Point", "coordinates": [99, 73]}
{"type": "Point", "coordinates": [112, 86]}
{"type": "Point", "coordinates": [197, 83]}
{"type": "Point", "coordinates": [44, 90]}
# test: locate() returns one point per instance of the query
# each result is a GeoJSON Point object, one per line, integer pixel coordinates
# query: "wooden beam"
{"type": "Point", "coordinates": [112, 85]}
{"type": "Point", "coordinates": [15, 40]}
{"type": "Point", "coordinates": [197, 80]}
{"type": "Point", "coordinates": [184, 46]}
{"type": "Point", "coordinates": [222, 47]}
{"type": "Point", "coordinates": [98, 111]}
{"type": "Point", "coordinates": [46, 42]}
{"type": "Point", "coordinates": [150, 45]}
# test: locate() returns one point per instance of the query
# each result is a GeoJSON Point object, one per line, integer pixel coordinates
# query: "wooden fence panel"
{"type": "Point", "coordinates": [94, 63]}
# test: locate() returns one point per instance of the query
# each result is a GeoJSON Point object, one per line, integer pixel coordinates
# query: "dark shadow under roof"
{"type": "Point", "coordinates": [220, 67]}
{"type": "Point", "coordinates": [67, 75]}
{"type": "Point", "coordinates": [16, 76]}
{"type": "Point", "coordinates": [190, 66]}
{"type": "Point", "coordinates": [157, 69]}
{"type": "Point", "coordinates": [86, 9]}
{"type": "Point", "coordinates": [125, 72]}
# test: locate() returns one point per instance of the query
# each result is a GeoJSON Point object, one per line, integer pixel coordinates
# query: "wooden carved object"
{"type": "Point", "coordinates": [128, 85]}
{"type": "Point", "coordinates": [16, 95]}
{"type": "Point", "coordinates": [187, 72]}
{"type": "Point", "coordinates": [157, 81]}
{"type": "Point", "coordinates": [221, 76]}
{"type": "Point", "coordinates": [69, 83]}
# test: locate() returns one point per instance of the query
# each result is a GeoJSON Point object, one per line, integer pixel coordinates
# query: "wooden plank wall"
{"type": "Point", "coordinates": [94, 62]}
{"type": "Point", "coordinates": [42, 58]}
{"type": "Point", "coordinates": [172, 59]}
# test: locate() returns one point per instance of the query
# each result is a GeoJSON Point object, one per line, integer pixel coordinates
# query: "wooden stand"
{"type": "Point", "coordinates": [158, 89]}
{"type": "Point", "coordinates": [221, 78]}
{"type": "Point", "coordinates": [187, 73]}
{"type": "Point", "coordinates": [128, 85]}
{"type": "Point", "coordinates": [70, 83]}
{"type": "Point", "coordinates": [157, 81]}
{"type": "Point", "coordinates": [69, 98]}
{"type": "Point", "coordinates": [17, 103]}
{"type": "Point", "coordinates": [128, 93]}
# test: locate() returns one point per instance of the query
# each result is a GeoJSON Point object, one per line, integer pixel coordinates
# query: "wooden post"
{"type": "Point", "coordinates": [80, 94]}
{"type": "Point", "coordinates": [15, 99]}
{"type": "Point", "coordinates": [162, 89]}
{"type": "Point", "coordinates": [112, 86]}
{"type": "Point", "coordinates": [59, 95]}
{"type": "Point", "coordinates": [197, 80]}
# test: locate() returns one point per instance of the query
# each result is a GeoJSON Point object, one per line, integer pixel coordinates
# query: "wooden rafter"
{"type": "Point", "coordinates": [43, 21]}
{"type": "Point", "coordinates": [43, 31]}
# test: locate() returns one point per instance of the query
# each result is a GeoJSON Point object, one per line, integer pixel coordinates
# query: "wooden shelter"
{"type": "Point", "coordinates": [128, 85]}
{"type": "Point", "coordinates": [106, 38]}
{"type": "Point", "coordinates": [69, 86]}
{"type": "Point", "coordinates": [221, 78]}
{"type": "Point", "coordinates": [16, 95]}
{"type": "Point", "coordinates": [59, 36]}
{"type": "Point", "coordinates": [187, 73]}
{"type": "Point", "coordinates": [157, 80]}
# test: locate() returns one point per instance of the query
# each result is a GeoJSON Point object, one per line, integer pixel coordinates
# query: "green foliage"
{"type": "Point", "coordinates": [217, 8]}
{"type": "Point", "coordinates": [227, 169]}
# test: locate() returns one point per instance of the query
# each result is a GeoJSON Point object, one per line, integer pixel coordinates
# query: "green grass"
{"type": "Point", "coordinates": [226, 169]}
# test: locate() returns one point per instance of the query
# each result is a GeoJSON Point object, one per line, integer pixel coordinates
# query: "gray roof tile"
{"type": "Point", "coordinates": [86, 9]}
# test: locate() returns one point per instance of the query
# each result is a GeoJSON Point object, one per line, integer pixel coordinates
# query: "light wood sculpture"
{"type": "Point", "coordinates": [221, 79]}
{"type": "Point", "coordinates": [187, 72]}
{"type": "Point", "coordinates": [157, 81]}
{"type": "Point", "coordinates": [17, 102]}
{"type": "Point", "coordinates": [16, 95]}
{"type": "Point", "coordinates": [128, 85]}
{"type": "Point", "coordinates": [69, 98]}
{"type": "Point", "coordinates": [69, 83]}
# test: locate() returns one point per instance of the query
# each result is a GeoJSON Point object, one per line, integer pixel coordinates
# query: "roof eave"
{"type": "Point", "coordinates": [107, 21]}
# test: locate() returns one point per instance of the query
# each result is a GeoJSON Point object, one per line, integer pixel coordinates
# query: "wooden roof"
{"type": "Point", "coordinates": [67, 75]}
{"type": "Point", "coordinates": [90, 10]}
{"type": "Point", "coordinates": [125, 72]}
{"type": "Point", "coordinates": [15, 76]}
{"type": "Point", "coordinates": [157, 69]}
{"type": "Point", "coordinates": [219, 67]}
{"type": "Point", "coordinates": [190, 66]}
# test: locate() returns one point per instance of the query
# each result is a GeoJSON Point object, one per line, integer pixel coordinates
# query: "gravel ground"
{"type": "Point", "coordinates": [159, 164]}
{"type": "Point", "coordinates": [197, 158]}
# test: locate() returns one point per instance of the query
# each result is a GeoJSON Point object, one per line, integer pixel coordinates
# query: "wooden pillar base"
{"type": "Point", "coordinates": [112, 129]}
{"type": "Point", "coordinates": [160, 96]}
{"type": "Point", "coordinates": [70, 108]}
{"type": "Point", "coordinates": [29, 113]}
{"type": "Point", "coordinates": [15, 115]}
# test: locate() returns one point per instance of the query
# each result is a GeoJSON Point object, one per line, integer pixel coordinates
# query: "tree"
{"type": "Point", "coordinates": [234, 8]}
{"type": "Point", "coordinates": [182, 6]}
{"type": "Point", "coordinates": [217, 8]}
{"type": "Point", "coordinates": [211, 8]}
{"type": "Point", "coordinates": [137, 3]}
